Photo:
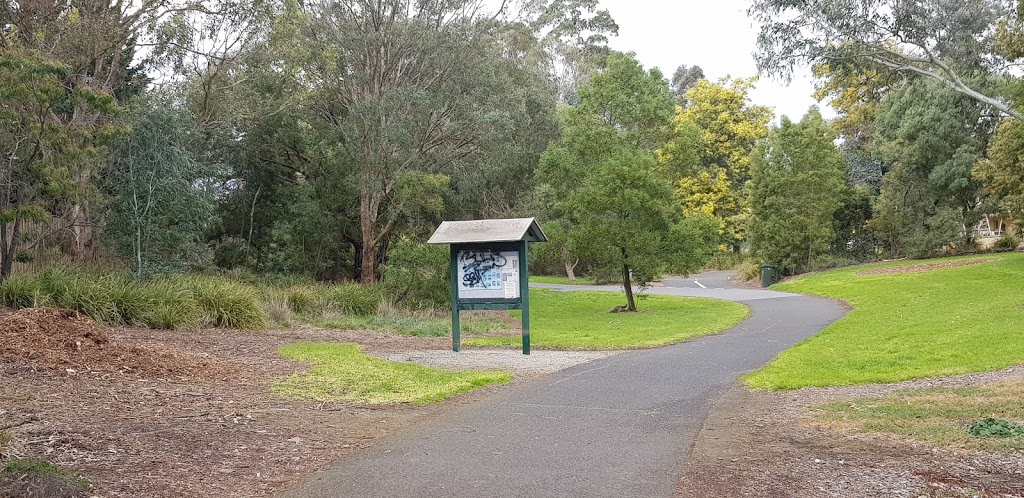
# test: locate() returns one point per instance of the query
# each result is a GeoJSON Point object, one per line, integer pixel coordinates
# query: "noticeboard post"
{"type": "Point", "coordinates": [489, 268]}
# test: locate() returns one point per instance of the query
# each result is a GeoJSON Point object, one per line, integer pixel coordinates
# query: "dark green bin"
{"type": "Point", "coordinates": [769, 275]}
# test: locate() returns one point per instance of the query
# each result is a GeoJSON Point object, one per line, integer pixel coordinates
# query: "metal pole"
{"type": "Point", "coordinates": [454, 270]}
{"type": "Point", "coordinates": [524, 296]}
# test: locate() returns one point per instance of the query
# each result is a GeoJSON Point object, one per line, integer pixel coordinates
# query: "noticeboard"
{"type": "Point", "coordinates": [488, 274]}
{"type": "Point", "coordinates": [489, 268]}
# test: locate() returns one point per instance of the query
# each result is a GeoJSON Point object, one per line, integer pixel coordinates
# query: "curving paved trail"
{"type": "Point", "coordinates": [617, 427]}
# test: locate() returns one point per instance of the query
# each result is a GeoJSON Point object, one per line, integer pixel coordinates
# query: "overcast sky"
{"type": "Point", "coordinates": [716, 35]}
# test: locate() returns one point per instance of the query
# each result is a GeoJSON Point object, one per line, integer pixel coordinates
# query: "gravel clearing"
{"type": "Point", "coordinates": [537, 362]}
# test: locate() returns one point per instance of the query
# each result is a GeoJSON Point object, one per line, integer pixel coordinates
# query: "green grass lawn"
{"type": "Point", "coordinates": [546, 279]}
{"type": "Point", "coordinates": [939, 415]}
{"type": "Point", "coordinates": [580, 320]}
{"type": "Point", "coordinates": [422, 326]}
{"type": "Point", "coordinates": [926, 324]}
{"type": "Point", "coordinates": [341, 372]}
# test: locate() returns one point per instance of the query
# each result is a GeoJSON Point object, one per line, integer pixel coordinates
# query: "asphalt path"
{"type": "Point", "coordinates": [616, 427]}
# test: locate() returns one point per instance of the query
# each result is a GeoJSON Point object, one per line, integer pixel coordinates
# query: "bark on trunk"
{"type": "Point", "coordinates": [570, 266]}
{"type": "Point", "coordinates": [368, 234]}
{"type": "Point", "coordinates": [627, 283]}
{"type": "Point", "coordinates": [8, 246]}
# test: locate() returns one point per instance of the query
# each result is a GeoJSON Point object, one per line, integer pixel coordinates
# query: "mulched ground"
{"type": "Point", "coordinates": [766, 444]}
{"type": "Point", "coordinates": [898, 270]}
{"type": "Point", "coordinates": [142, 412]}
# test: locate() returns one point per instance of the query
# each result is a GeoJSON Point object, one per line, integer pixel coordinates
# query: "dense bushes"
{"type": "Point", "coordinates": [183, 301]}
{"type": "Point", "coordinates": [416, 275]}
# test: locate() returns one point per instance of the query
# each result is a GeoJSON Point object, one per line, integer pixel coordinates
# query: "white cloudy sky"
{"type": "Point", "coordinates": [716, 35]}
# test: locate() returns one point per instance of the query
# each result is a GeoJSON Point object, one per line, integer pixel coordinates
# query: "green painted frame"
{"type": "Point", "coordinates": [520, 303]}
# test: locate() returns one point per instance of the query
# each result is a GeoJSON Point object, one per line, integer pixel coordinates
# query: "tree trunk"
{"type": "Point", "coordinates": [570, 267]}
{"type": "Point", "coordinates": [367, 234]}
{"type": "Point", "coordinates": [627, 283]}
{"type": "Point", "coordinates": [8, 246]}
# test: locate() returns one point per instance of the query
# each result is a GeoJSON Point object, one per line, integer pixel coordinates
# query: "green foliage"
{"type": "Point", "coordinates": [1002, 171]}
{"type": "Point", "coordinates": [159, 205]}
{"type": "Point", "coordinates": [933, 138]}
{"type": "Point", "coordinates": [23, 291]}
{"type": "Point", "coordinates": [990, 427]}
{"type": "Point", "coordinates": [1007, 242]}
{"type": "Point", "coordinates": [580, 320]}
{"type": "Point", "coordinates": [353, 299]}
{"type": "Point", "coordinates": [907, 325]}
{"type": "Point", "coordinates": [792, 223]}
{"type": "Point", "coordinates": [306, 300]}
{"type": "Point", "coordinates": [602, 179]}
{"type": "Point", "coordinates": [341, 372]}
{"type": "Point", "coordinates": [227, 303]}
{"type": "Point", "coordinates": [45, 149]}
{"type": "Point", "coordinates": [417, 275]}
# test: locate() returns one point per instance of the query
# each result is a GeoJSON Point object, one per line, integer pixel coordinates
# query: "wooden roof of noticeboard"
{"type": "Point", "coordinates": [473, 231]}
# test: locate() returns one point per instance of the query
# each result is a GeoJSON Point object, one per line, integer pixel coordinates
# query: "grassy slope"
{"type": "Point", "coordinates": [547, 279]}
{"type": "Point", "coordinates": [341, 372]}
{"type": "Point", "coordinates": [925, 324]}
{"type": "Point", "coordinates": [580, 320]}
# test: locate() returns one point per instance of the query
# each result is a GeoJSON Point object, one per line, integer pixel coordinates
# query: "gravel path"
{"type": "Point", "coordinates": [537, 362]}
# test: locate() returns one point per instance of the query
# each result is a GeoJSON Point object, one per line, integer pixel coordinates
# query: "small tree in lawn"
{"type": "Point", "coordinates": [604, 175]}
{"type": "Point", "coordinates": [797, 182]}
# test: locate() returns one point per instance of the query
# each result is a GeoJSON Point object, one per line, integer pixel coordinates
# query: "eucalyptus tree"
{"type": "Point", "coordinates": [160, 200]}
{"type": "Point", "coordinates": [942, 40]}
{"type": "Point", "coordinates": [931, 137]}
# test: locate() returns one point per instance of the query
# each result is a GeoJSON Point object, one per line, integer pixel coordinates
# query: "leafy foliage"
{"type": "Point", "coordinates": [160, 206]}
{"type": "Point", "coordinates": [605, 182]}
{"type": "Point", "coordinates": [796, 184]}
{"type": "Point", "coordinates": [990, 427]}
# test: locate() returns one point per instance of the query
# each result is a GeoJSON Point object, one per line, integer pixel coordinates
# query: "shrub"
{"type": "Point", "coordinates": [23, 291]}
{"type": "Point", "coordinates": [306, 300]}
{"type": "Point", "coordinates": [85, 291]}
{"type": "Point", "coordinates": [353, 299]}
{"type": "Point", "coordinates": [416, 275]}
{"type": "Point", "coordinates": [748, 271]}
{"type": "Point", "coordinates": [226, 303]}
{"type": "Point", "coordinates": [1006, 243]}
{"type": "Point", "coordinates": [725, 261]}
{"type": "Point", "coordinates": [991, 427]}
{"type": "Point", "coordinates": [173, 304]}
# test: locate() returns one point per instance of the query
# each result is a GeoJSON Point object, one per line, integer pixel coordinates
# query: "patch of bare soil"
{"type": "Point", "coordinates": [767, 444]}
{"type": "Point", "coordinates": [153, 413]}
{"type": "Point", "coordinates": [898, 270]}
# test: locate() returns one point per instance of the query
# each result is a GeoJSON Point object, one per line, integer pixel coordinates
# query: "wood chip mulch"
{"type": "Point", "coordinates": [154, 413]}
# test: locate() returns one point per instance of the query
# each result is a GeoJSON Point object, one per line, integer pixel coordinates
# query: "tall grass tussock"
{"type": "Point", "coordinates": [184, 302]}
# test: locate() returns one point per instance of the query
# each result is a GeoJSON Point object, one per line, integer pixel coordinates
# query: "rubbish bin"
{"type": "Point", "coordinates": [769, 275]}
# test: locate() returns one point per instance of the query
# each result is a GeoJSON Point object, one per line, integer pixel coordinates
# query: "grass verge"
{"type": "Point", "coordinates": [547, 279]}
{"type": "Point", "coordinates": [341, 372]}
{"type": "Point", "coordinates": [416, 324]}
{"type": "Point", "coordinates": [34, 477]}
{"type": "Point", "coordinates": [940, 416]}
{"type": "Point", "coordinates": [931, 323]}
{"type": "Point", "coordinates": [580, 320]}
